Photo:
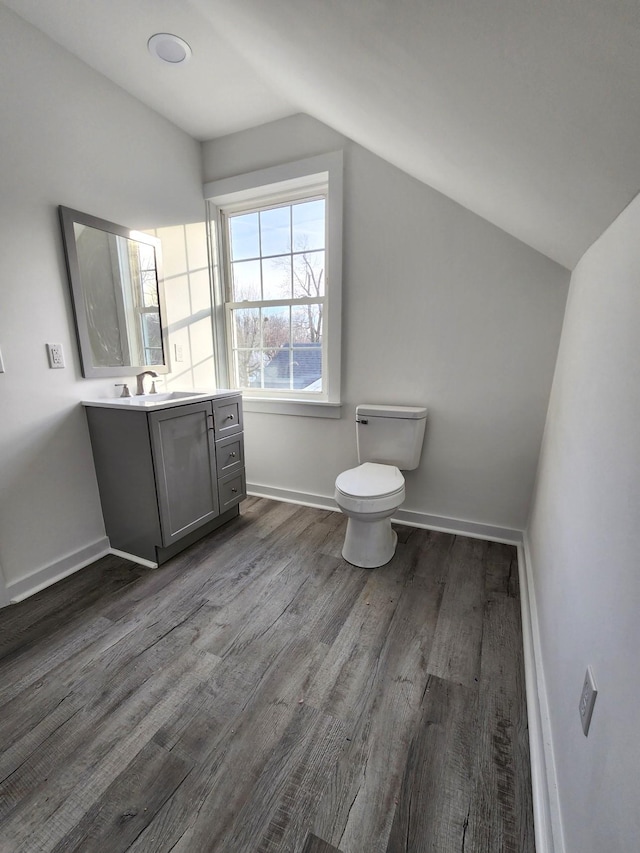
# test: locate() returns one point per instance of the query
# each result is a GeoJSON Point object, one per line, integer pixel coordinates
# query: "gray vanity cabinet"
{"type": "Point", "coordinates": [168, 476]}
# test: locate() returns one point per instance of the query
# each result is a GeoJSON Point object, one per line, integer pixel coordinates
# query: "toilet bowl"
{"type": "Point", "coordinates": [388, 438]}
{"type": "Point", "coordinates": [369, 495]}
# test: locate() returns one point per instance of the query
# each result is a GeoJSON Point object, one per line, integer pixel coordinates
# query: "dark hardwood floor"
{"type": "Point", "coordinates": [257, 694]}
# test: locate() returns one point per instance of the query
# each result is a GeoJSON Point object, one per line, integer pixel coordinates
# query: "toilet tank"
{"type": "Point", "coordinates": [392, 435]}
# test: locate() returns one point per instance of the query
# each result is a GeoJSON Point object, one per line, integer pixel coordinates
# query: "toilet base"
{"type": "Point", "coordinates": [369, 544]}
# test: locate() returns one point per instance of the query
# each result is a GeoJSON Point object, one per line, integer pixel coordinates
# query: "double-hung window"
{"type": "Point", "coordinates": [276, 240]}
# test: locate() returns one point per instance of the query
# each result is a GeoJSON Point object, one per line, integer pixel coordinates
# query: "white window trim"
{"type": "Point", "coordinates": [267, 184]}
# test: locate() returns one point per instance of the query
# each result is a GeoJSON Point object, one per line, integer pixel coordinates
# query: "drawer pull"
{"type": "Point", "coordinates": [229, 418]}
{"type": "Point", "coordinates": [233, 455]}
{"type": "Point", "coordinates": [234, 491]}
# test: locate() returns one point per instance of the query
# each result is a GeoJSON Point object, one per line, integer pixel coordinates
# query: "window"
{"type": "Point", "coordinates": [142, 257]}
{"type": "Point", "coordinates": [276, 245]}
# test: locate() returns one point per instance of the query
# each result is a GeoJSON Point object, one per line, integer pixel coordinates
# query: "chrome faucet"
{"type": "Point", "coordinates": [140, 381]}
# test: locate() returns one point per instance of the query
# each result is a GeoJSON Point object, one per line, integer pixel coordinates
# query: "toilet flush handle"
{"type": "Point", "coordinates": [362, 421]}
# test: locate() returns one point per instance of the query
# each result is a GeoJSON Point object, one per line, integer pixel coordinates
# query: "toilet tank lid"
{"type": "Point", "coordinates": [373, 411]}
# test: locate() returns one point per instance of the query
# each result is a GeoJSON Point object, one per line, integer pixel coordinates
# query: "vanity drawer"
{"type": "Point", "coordinates": [230, 454]}
{"type": "Point", "coordinates": [231, 490]}
{"type": "Point", "coordinates": [227, 416]}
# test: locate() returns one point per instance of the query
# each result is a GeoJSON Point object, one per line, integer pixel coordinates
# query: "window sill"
{"type": "Point", "coordinates": [302, 408]}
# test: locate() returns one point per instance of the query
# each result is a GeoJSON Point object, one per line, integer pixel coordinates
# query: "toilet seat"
{"type": "Point", "coordinates": [370, 480]}
{"type": "Point", "coordinates": [370, 488]}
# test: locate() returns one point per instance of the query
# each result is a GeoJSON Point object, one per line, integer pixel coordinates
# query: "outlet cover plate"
{"type": "Point", "coordinates": [56, 355]}
{"type": "Point", "coordinates": [587, 700]}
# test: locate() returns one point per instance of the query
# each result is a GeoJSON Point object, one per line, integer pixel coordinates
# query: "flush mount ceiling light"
{"type": "Point", "coordinates": [169, 48]}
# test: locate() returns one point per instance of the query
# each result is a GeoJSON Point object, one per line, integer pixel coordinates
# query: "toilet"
{"type": "Point", "coordinates": [389, 439]}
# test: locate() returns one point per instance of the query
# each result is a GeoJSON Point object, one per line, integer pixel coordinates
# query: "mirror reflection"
{"type": "Point", "coordinates": [116, 283]}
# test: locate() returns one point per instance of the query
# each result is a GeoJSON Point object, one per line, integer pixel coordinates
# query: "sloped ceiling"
{"type": "Point", "coordinates": [527, 113]}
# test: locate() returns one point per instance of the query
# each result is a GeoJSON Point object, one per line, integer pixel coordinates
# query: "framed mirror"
{"type": "Point", "coordinates": [118, 298]}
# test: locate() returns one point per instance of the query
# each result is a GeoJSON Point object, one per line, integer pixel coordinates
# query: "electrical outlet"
{"type": "Point", "coordinates": [587, 700]}
{"type": "Point", "coordinates": [178, 352]}
{"type": "Point", "coordinates": [56, 356]}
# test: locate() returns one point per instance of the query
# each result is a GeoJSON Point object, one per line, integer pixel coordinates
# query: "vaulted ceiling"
{"type": "Point", "coordinates": [527, 113]}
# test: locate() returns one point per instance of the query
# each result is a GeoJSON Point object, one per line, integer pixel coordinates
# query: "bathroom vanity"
{"type": "Point", "coordinates": [170, 468]}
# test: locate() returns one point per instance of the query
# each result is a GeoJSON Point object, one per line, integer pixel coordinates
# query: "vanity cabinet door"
{"type": "Point", "coordinates": [183, 447]}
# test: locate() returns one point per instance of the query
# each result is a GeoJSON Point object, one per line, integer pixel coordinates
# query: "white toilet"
{"type": "Point", "coordinates": [389, 438]}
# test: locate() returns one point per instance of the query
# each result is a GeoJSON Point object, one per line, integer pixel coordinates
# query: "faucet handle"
{"type": "Point", "coordinates": [153, 387]}
{"type": "Point", "coordinates": [125, 389]}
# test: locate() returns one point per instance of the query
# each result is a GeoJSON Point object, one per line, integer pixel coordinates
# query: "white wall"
{"type": "Point", "coordinates": [440, 308]}
{"type": "Point", "coordinates": [67, 136]}
{"type": "Point", "coordinates": [584, 540]}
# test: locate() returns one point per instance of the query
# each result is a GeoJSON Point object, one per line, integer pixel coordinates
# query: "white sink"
{"type": "Point", "coordinates": [162, 397]}
{"type": "Point", "coordinates": [161, 400]}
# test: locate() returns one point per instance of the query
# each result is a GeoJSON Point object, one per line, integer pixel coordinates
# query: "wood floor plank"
{"type": "Point", "coordinates": [344, 682]}
{"type": "Point", "coordinates": [272, 516]}
{"type": "Point", "coordinates": [128, 804]}
{"type": "Point", "coordinates": [501, 569]}
{"type": "Point", "coordinates": [432, 812]}
{"type": "Point", "coordinates": [501, 806]}
{"type": "Point", "coordinates": [274, 818]}
{"type": "Point", "coordinates": [332, 589]}
{"type": "Point", "coordinates": [455, 654]}
{"type": "Point", "coordinates": [29, 666]}
{"type": "Point", "coordinates": [317, 845]}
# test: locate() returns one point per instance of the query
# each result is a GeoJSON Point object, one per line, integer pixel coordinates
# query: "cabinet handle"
{"type": "Point", "coordinates": [234, 491]}
{"type": "Point", "coordinates": [232, 455]}
{"type": "Point", "coordinates": [229, 418]}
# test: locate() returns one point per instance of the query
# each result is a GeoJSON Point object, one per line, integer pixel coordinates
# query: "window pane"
{"type": "Point", "coordinates": [308, 274]}
{"type": "Point", "coordinates": [244, 236]}
{"type": "Point", "coordinates": [277, 373]}
{"type": "Point", "coordinates": [148, 278]}
{"type": "Point", "coordinates": [246, 281]}
{"type": "Point", "coordinates": [308, 225]}
{"type": "Point", "coordinates": [276, 278]}
{"type": "Point", "coordinates": [275, 327]}
{"type": "Point", "coordinates": [246, 327]}
{"type": "Point", "coordinates": [306, 324]}
{"type": "Point", "coordinates": [275, 231]}
{"type": "Point", "coordinates": [247, 367]}
{"type": "Point", "coordinates": [152, 338]}
{"type": "Point", "coordinates": [307, 367]}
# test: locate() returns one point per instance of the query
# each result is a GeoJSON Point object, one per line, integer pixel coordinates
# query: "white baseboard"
{"type": "Point", "coordinates": [44, 577]}
{"type": "Point", "coordinates": [4, 595]}
{"type": "Point", "coordinates": [133, 558]}
{"type": "Point", "coordinates": [546, 804]}
{"type": "Point", "coordinates": [404, 516]}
